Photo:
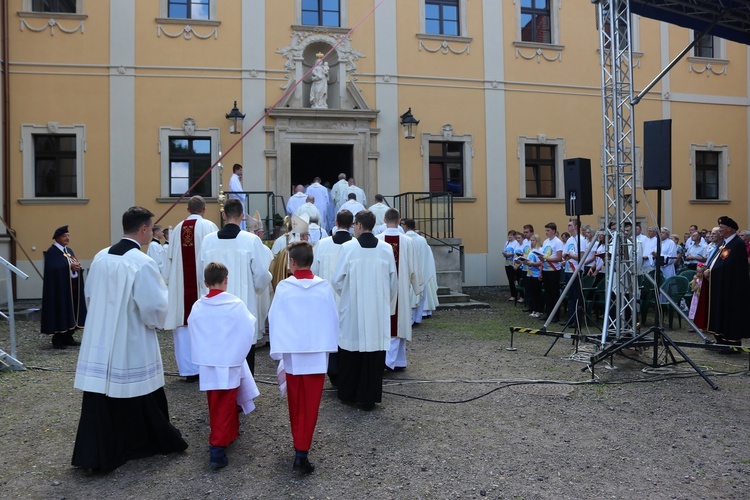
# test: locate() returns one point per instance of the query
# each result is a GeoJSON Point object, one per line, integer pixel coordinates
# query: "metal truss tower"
{"type": "Point", "coordinates": [618, 162]}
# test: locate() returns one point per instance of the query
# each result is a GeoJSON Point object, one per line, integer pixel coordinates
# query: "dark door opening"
{"type": "Point", "coordinates": [326, 161]}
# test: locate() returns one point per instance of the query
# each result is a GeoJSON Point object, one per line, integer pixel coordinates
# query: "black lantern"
{"type": "Point", "coordinates": [410, 124]}
{"type": "Point", "coordinates": [236, 117]}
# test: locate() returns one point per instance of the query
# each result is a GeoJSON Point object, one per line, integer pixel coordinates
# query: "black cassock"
{"type": "Point", "coordinates": [63, 303]}
{"type": "Point", "coordinates": [729, 292]}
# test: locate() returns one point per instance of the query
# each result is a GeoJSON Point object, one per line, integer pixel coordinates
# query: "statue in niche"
{"type": "Point", "coordinates": [319, 87]}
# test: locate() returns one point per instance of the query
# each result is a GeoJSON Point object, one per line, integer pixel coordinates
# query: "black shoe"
{"type": "Point", "coordinates": [527, 310]}
{"type": "Point", "coordinates": [217, 459]}
{"type": "Point", "coordinates": [368, 406]}
{"type": "Point", "coordinates": [58, 341]}
{"type": "Point", "coordinates": [69, 340]}
{"type": "Point", "coordinates": [302, 465]}
{"type": "Point", "coordinates": [191, 379]}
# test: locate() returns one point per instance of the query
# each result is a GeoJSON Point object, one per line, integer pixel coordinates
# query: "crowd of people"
{"type": "Point", "coordinates": [220, 291]}
{"type": "Point", "coordinates": [537, 268]}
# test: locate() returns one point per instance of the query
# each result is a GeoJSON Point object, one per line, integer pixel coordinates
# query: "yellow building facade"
{"type": "Point", "coordinates": [113, 103]}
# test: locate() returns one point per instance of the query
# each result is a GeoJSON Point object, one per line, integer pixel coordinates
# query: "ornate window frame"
{"type": "Point", "coordinates": [560, 154]}
{"type": "Point", "coordinates": [28, 159]}
{"type": "Point", "coordinates": [28, 12]}
{"type": "Point", "coordinates": [540, 50]}
{"type": "Point", "coordinates": [723, 151]}
{"type": "Point", "coordinates": [164, 19]}
{"type": "Point", "coordinates": [463, 23]}
{"type": "Point", "coordinates": [447, 135]}
{"type": "Point", "coordinates": [165, 133]}
{"type": "Point", "coordinates": [716, 65]}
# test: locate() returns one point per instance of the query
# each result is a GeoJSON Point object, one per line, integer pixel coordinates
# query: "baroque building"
{"type": "Point", "coordinates": [113, 103]}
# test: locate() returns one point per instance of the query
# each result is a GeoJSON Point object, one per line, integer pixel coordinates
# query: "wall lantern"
{"type": "Point", "coordinates": [410, 124]}
{"type": "Point", "coordinates": [236, 117]}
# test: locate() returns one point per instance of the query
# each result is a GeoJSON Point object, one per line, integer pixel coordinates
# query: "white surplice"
{"type": "Point", "coordinates": [326, 255]}
{"type": "Point", "coordinates": [309, 209]}
{"type": "Point", "coordinates": [157, 252]}
{"type": "Point", "coordinates": [359, 193]}
{"type": "Point", "coordinates": [379, 210]}
{"type": "Point", "coordinates": [429, 275]}
{"type": "Point", "coordinates": [264, 297]}
{"type": "Point", "coordinates": [295, 201]}
{"type": "Point", "coordinates": [220, 329]}
{"type": "Point", "coordinates": [409, 280]}
{"type": "Point", "coordinates": [339, 192]}
{"type": "Point", "coordinates": [127, 301]}
{"type": "Point", "coordinates": [322, 201]}
{"type": "Point", "coordinates": [367, 282]}
{"type": "Point", "coordinates": [247, 263]}
{"type": "Point", "coordinates": [303, 325]}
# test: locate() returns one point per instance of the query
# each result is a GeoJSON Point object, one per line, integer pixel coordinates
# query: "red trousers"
{"type": "Point", "coordinates": [223, 416]}
{"type": "Point", "coordinates": [303, 394]}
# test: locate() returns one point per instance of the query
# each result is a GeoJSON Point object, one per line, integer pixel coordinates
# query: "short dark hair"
{"type": "Point", "coordinates": [344, 219]}
{"type": "Point", "coordinates": [302, 253]}
{"type": "Point", "coordinates": [551, 225]}
{"type": "Point", "coordinates": [215, 273]}
{"type": "Point", "coordinates": [351, 196]}
{"type": "Point", "coordinates": [236, 167]}
{"type": "Point", "coordinates": [134, 218]}
{"type": "Point", "coordinates": [529, 227]}
{"type": "Point", "coordinates": [379, 198]}
{"type": "Point", "coordinates": [233, 208]}
{"type": "Point", "coordinates": [196, 204]}
{"type": "Point", "coordinates": [391, 215]}
{"type": "Point", "coordinates": [366, 218]}
{"type": "Point", "coordinates": [166, 231]}
{"type": "Point", "coordinates": [409, 224]}
{"type": "Point", "coordinates": [155, 228]}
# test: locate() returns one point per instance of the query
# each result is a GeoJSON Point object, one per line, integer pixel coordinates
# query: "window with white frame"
{"type": "Point", "coordinates": [320, 13]}
{"type": "Point", "coordinates": [53, 162]}
{"type": "Point", "coordinates": [447, 162]}
{"type": "Point", "coordinates": [709, 47]}
{"type": "Point", "coordinates": [197, 10]}
{"type": "Point", "coordinates": [537, 21]}
{"type": "Point", "coordinates": [185, 157]}
{"type": "Point", "coordinates": [541, 164]}
{"type": "Point", "coordinates": [443, 18]}
{"type": "Point", "coordinates": [710, 164]}
{"type": "Point", "coordinates": [57, 6]}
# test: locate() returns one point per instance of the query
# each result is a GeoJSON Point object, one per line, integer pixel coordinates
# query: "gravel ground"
{"type": "Point", "coordinates": [467, 419]}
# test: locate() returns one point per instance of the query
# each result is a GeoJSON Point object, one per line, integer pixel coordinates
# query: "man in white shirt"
{"type": "Point", "coordinates": [571, 256]}
{"type": "Point", "coordinates": [668, 253]}
{"type": "Point", "coordinates": [552, 250]}
{"type": "Point", "coordinates": [308, 208]}
{"type": "Point", "coordinates": [296, 200]}
{"type": "Point", "coordinates": [235, 184]}
{"type": "Point", "coordinates": [649, 249]}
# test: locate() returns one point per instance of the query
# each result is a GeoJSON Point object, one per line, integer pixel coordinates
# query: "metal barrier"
{"type": "Point", "coordinates": [432, 212]}
{"type": "Point", "coordinates": [266, 203]}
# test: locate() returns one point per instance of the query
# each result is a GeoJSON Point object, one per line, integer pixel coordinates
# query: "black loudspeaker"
{"type": "Point", "coordinates": [657, 154]}
{"type": "Point", "coordinates": [578, 186]}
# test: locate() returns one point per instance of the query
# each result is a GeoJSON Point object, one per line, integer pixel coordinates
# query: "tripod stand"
{"type": "Point", "coordinates": [658, 337]}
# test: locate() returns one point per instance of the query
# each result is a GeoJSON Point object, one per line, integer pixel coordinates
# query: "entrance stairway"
{"type": "Point", "coordinates": [449, 299]}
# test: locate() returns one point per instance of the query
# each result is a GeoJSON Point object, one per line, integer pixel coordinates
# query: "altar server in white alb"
{"type": "Point", "coordinates": [322, 200]}
{"type": "Point", "coordinates": [235, 185]}
{"type": "Point", "coordinates": [326, 255]}
{"type": "Point", "coordinates": [409, 282]}
{"type": "Point", "coordinates": [124, 413]}
{"type": "Point", "coordinates": [243, 254]}
{"type": "Point", "coordinates": [157, 252]}
{"type": "Point", "coordinates": [428, 301]}
{"type": "Point", "coordinates": [221, 331]}
{"type": "Point", "coordinates": [186, 280]}
{"type": "Point", "coordinates": [255, 225]}
{"type": "Point", "coordinates": [379, 209]}
{"type": "Point", "coordinates": [303, 344]}
{"type": "Point", "coordinates": [367, 282]}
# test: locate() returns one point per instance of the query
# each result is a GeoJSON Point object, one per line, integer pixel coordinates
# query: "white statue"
{"type": "Point", "coordinates": [319, 87]}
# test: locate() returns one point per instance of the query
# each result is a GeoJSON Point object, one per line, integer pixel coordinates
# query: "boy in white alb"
{"type": "Point", "coordinates": [221, 332]}
{"type": "Point", "coordinates": [302, 341]}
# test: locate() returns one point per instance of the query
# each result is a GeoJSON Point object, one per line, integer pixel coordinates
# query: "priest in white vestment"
{"type": "Point", "coordinates": [303, 329]}
{"type": "Point", "coordinates": [339, 192]}
{"type": "Point", "coordinates": [308, 208]}
{"type": "Point", "coordinates": [243, 254]}
{"type": "Point", "coordinates": [235, 185]}
{"type": "Point", "coordinates": [379, 209]}
{"type": "Point", "coordinates": [296, 200]}
{"type": "Point", "coordinates": [358, 191]}
{"type": "Point", "coordinates": [119, 367]}
{"type": "Point", "coordinates": [352, 204]}
{"type": "Point", "coordinates": [326, 256]}
{"type": "Point", "coordinates": [367, 282]}
{"type": "Point", "coordinates": [320, 194]}
{"type": "Point", "coordinates": [428, 301]}
{"type": "Point", "coordinates": [186, 280]}
{"type": "Point", "coordinates": [409, 282]}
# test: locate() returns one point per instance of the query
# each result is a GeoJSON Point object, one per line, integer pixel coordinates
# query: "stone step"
{"type": "Point", "coordinates": [471, 304]}
{"type": "Point", "coordinates": [443, 290]}
{"type": "Point", "coordinates": [455, 298]}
